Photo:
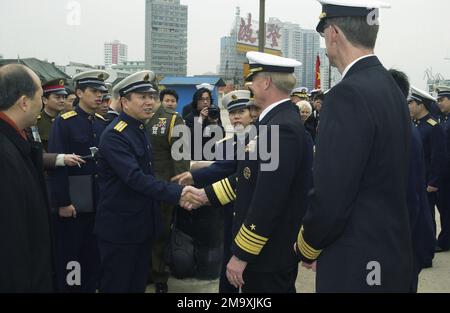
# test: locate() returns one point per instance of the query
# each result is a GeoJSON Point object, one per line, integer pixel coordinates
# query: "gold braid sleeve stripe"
{"type": "Point", "coordinates": [305, 249]}
{"type": "Point", "coordinates": [245, 238]}
{"type": "Point", "coordinates": [253, 235]}
{"type": "Point", "coordinates": [221, 194]}
{"type": "Point", "coordinates": [227, 182]}
{"type": "Point", "coordinates": [246, 247]}
{"type": "Point", "coordinates": [227, 191]}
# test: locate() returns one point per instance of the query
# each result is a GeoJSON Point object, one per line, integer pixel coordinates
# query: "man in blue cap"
{"type": "Point", "coordinates": [356, 232]}
{"type": "Point", "coordinates": [74, 191]}
{"type": "Point", "coordinates": [128, 215]}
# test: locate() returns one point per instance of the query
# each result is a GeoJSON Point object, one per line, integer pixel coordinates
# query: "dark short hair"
{"type": "Point", "coordinates": [357, 30]}
{"type": "Point", "coordinates": [198, 95]}
{"type": "Point", "coordinates": [15, 82]}
{"type": "Point", "coordinates": [169, 92]}
{"type": "Point", "coordinates": [319, 96]}
{"type": "Point", "coordinates": [402, 81]}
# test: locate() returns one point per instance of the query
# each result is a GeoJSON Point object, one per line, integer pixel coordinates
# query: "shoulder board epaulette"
{"type": "Point", "coordinates": [224, 139]}
{"type": "Point", "coordinates": [432, 122]}
{"type": "Point", "coordinates": [68, 115]}
{"type": "Point", "coordinates": [100, 117]}
{"type": "Point", "coordinates": [120, 126]}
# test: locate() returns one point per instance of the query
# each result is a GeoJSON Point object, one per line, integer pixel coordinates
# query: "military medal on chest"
{"type": "Point", "coordinates": [162, 125]}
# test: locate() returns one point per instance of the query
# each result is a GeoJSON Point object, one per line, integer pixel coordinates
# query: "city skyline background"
{"type": "Point", "coordinates": [413, 35]}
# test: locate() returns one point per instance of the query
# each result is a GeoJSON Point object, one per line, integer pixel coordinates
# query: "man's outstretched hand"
{"type": "Point", "coordinates": [193, 198]}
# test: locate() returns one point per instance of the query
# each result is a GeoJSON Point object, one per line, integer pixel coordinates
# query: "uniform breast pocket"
{"type": "Point", "coordinates": [143, 160]}
{"type": "Point", "coordinates": [81, 145]}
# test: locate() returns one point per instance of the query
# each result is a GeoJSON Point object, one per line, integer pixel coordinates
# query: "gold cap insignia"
{"type": "Point", "coordinates": [147, 78]}
{"type": "Point", "coordinates": [323, 15]}
{"type": "Point", "coordinates": [61, 82]}
{"type": "Point", "coordinates": [247, 173]}
{"type": "Point", "coordinates": [234, 97]}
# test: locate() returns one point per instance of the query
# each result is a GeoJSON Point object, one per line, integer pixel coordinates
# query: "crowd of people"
{"type": "Point", "coordinates": [93, 176]}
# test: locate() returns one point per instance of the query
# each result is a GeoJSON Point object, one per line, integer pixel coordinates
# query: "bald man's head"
{"type": "Point", "coordinates": [17, 81]}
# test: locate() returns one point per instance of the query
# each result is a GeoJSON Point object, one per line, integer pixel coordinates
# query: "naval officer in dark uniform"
{"type": "Point", "coordinates": [433, 140]}
{"type": "Point", "coordinates": [74, 191]}
{"type": "Point", "coordinates": [128, 215]}
{"type": "Point", "coordinates": [358, 225]}
{"type": "Point", "coordinates": [423, 239]}
{"type": "Point", "coordinates": [270, 197]}
{"type": "Point", "coordinates": [444, 195]}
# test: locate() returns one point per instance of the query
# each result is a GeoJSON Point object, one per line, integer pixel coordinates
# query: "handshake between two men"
{"type": "Point", "coordinates": [191, 197]}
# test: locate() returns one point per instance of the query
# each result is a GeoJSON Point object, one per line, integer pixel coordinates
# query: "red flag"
{"type": "Point", "coordinates": [317, 84]}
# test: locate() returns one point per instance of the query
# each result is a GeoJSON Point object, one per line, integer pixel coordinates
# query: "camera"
{"type": "Point", "coordinates": [214, 113]}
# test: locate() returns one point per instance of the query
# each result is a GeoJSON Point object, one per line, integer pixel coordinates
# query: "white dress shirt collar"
{"type": "Point", "coordinates": [353, 63]}
{"type": "Point", "coordinates": [270, 108]}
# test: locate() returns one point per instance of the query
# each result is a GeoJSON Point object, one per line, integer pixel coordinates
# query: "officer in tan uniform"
{"type": "Point", "coordinates": [159, 130]}
{"type": "Point", "coordinates": [53, 98]}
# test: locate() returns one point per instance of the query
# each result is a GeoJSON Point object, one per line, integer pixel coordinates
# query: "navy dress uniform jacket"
{"type": "Point", "coordinates": [128, 212]}
{"type": "Point", "coordinates": [270, 204]}
{"type": "Point", "coordinates": [433, 140]}
{"type": "Point", "coordinates": [444, 190]}
{"type": "Point", "coordinates": [359, 217]}
{"type": "Point", "coordinates": [74, 132]}
{"type": "Point", "coordinates": [420, 215]}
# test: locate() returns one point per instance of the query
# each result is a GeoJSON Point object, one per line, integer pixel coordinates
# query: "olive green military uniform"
{"type": "Point", "coordinates": [44, 125]}
{"type": "Point", "coordinates": [159, 129]}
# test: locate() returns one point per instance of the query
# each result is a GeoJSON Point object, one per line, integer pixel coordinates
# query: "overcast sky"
{"type": "Point", "coordinates": [414, 35]}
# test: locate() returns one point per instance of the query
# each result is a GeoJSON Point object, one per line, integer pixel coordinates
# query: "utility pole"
{"type": "Point", "coordinates": [262, 25]}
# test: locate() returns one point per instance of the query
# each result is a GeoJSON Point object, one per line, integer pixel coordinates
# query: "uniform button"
{"type": "Point", "coordinates": [95, 136]}
{"type": "Point", "coordinates": [141, 127]}
{"type": "Point", "coordinates": [96, 176]}
{"type": "Point", "coordinates": [234, 213]}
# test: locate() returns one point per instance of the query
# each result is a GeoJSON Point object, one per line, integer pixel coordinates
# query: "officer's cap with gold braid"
{"type": "Point", "coordinates": [93, 79]}
{"type": "Point", "coordinates": [140, 82]}
{"type": "Point", "coordinates": [301, 92]}
{"type": "Point", "coordinates": [262, 62]}
{"type": "Point", "coordinates": [236, 100]}
{"type": "Point", "coordinates": [347, 8]}
{"type": "Point", "coordinates": [55, 86]}
{"type": "Point", "coordinates": [420, 96]}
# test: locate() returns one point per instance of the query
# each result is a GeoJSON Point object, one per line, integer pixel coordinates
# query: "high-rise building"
{"type": "Point", "coordinates": [326, 70]}
{"type": "Point", "coordinates": [296, 43]}
{"type": "Point", "coordinates": [291, 47]}
{"type": "Point", "coordinates": [130, 66]}
{"type": "Point", "coordinates": [302, 45]}
{"type": "Point", "coordinates": [166, 37]}
{"type": "Point", "coordinates": [115, 53]}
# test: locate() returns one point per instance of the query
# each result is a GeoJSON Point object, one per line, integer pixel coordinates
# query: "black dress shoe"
{"type": "Point", "coordinates": [439, 249]}
{"type": "Point", "coordinates": [161, 288]}
{"type": "Point", "coordinates": [428, 265]}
